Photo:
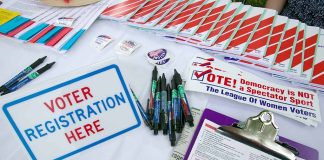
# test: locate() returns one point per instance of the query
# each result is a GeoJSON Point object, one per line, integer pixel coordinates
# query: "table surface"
{"type": "Point", "coordinates": [140, 143]}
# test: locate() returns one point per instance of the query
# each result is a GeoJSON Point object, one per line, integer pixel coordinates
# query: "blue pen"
{"type": "Point", "coordinates": [29, 78]}
{"type": "Point", "coordinates": [175, 106]}
{"type": "Point", "coordinates": [157, 105]}
{"type": "Point", "coordinates": [184, 102]}
{"type": "Point", "coordinates": [141, 109]}
{"type": "Point", "coordinates": [19, 76]}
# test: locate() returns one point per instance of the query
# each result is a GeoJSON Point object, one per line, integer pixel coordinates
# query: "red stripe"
{"type": "Point", "coordinates": [117, 6]}
{"type": "Point", "coordinates": [229, 29]}
{"type": "Point", "coordinates": [198, 17]}
{"type": "Point", "coordinates": [59, 36]}
{"type": "Point", "coordinates": [297, 59]}
{"type": "Point", "coordinates": [257, 44]}
{"type": "Point", "coordinates": [174, 10]}
{"type": "Point", "coordinates": [311, 40]}
{"type": "Point", "coordinates": [274, 39]}
{"type": "Point", "coordinates": [162, 10]}
{"type": "Point", "coordinates": [223, 20]}
{"type": "Point", "coordinates": [148, 7]}
{"type": "Point", "coordinates": [252, 57]}
{"type": "Point", "coordinates": [246, 25]}
{"type": "Point", "coordinates": [260, 33]}
{"type": "Point", "coordinates": [245, 28]}
{"type": "Point", "coordinates": [215, 13]}
{"type": "Point", "coordinates": [185, 14]}
{"type": "Point", "coordinates": [244, 61]}
{"type": "Point", "coordinates": [259, 65]}
{"type": "Point", "coordinates": [287, 43]}
{"type": "Point", "coordinates": [290, 32]}
{"type": "Point", "coordinates": [211, 127]}
{"type": "Point", "coordinates": [318, 80]}
{"type": "Point", "coordinates": [128, 11]}
{"type": "Point", "coordinates": [124, 9]}
{"type": "Point", "coordinates": [41, 33]}
{"type": "Point", "coordinates": [309, 53]}
{"type": "Point", "coordinates": [20, 28]}
{"type": "Point", "coordinates": [282, 56]}
{"type": "Point", "coordinates": [318, 68]}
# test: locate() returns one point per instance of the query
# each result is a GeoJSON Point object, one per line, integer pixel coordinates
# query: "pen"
{"type": "Point", "coordinates": [29, 78]}
{"type": "Point", "coordinates": [150, 110]}
{"type": "Point", "coordinates": [141, 109]}
{"type": "Point", "coordinates": [184, 101]}
{"type": "Point", "coordinates": [157, 104]}
{"type": "Point", "coordinates": [19, 76]}
{"type": "Point", "coordinates": [164, 101]}
{"type": "Point", "coordinates": [175, 106]}
{"type": "Point", "coordinates": [171, 124]}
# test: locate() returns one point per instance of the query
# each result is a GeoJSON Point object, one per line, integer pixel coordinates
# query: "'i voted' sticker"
{"type": "Point", "coordinates": [159, 57]}
{"type": "Point", "coordinates": [127, 47]}
{"type": "Point", "coordinates": [157, 54]}
{"type": "Point", "coordinates": [102, 41]}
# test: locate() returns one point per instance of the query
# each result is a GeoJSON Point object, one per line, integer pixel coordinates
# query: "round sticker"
{"type": "Point", "coordinates": [157, 54]}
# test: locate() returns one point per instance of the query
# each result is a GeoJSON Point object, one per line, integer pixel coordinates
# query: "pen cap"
{"type": "Point", "coordinates": [154, 74]}
{"type": "Point", "coordinates": [38, 62]}
{"type": "Point", "coordinates": [168, 92]}
{"type": "Point", "coordinates": [45, 68]}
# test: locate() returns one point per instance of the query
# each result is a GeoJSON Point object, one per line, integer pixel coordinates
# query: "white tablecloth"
{"type": "Point", "coordinates": [140, 143]}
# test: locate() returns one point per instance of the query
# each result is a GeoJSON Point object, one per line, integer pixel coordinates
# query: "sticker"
{"type": "Point", "coordinates": [127, 47]}
{"type": "Point", "coordinates": [162, 62]}
{"type": "Point", "coordinates": [65, 21]}
{"type": "Point", "coordinates": [6, 15]}
{"type": "Point", "coordinates": [102, 41]}
{"type": "Point", "coordinates": [159, 57]}
{"type": "Point", "coordinates": [157, 54]}
{"type": "Point", "coordinates": [75, 113]}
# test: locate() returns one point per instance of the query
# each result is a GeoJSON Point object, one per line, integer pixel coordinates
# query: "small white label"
{"type": "Point", "coordinates": [127, 47]}
{"type": "Point", "coordinates": [102, 41]}
{"type": "Point", "coordinates": [65, 21]}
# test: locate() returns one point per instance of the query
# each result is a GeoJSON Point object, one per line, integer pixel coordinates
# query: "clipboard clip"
{"type": "Point", "coordinates": [261, 133]}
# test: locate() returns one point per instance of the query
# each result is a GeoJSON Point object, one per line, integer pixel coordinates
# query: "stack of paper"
{"type": "Point", "coordinates": [252, 36]}
{"type": "Point", "coordinates": [59, 28]}
{"type": "Point", "coordinates": [216, 77]}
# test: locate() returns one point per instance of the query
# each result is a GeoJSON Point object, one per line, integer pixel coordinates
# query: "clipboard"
{"type": "Point", "coordinates": [222, 124]}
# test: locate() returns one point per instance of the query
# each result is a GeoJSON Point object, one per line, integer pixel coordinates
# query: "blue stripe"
{"type": "Point", "coordinates": [70, 43]}
{"type": "Point", "coordinates": [13, 24]}
{"type": "Point", "coordinates": [29, 34]}
{"type": "Point", "coordinates": [49, 35]}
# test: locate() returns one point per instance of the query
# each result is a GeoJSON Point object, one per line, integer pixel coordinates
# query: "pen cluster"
{"type": "Point", "coordinates": [167, 107]}
{"type": "Point", "coordinates": [22, 78]}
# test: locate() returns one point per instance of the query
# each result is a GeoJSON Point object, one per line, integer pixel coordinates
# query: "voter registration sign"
{"type": "Point", "coordinates": [89, 107]}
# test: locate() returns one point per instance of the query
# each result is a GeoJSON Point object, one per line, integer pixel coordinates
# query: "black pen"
{"type": "Point", "coordinates": [183, 98]}
{"type": "Point", "coordinates": [157, 106]}
{"type": "Point", "coordinates": [29, 78]}
{"type": "Point", "coordinates": [164, 105]}
{"type": "Point", "coordinates": [141, 109]}
{"type": "Point", "coordinates": [19, 76]}
{"type": "Point", "coordinates": [150, 110]}
{"type": "Point", "coordinates": [171, 121]}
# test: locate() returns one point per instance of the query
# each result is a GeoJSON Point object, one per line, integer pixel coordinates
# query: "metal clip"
{"type": "Point", "coordinates": [261, 132]}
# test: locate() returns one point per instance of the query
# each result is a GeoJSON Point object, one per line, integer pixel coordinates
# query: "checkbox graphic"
{"type": "Point", "coordinates": [198, 75]}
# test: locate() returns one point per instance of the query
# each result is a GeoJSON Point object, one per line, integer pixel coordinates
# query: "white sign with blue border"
{"type": "Point", "coordinates": [76, 113]}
